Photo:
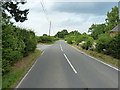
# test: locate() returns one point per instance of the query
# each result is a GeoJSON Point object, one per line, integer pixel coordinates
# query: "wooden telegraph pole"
{"type": "Point", "coordinates": [50, 28]}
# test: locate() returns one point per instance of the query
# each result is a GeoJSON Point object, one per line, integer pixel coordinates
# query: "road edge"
{"type": "Point", "coordinates": [95, 59]}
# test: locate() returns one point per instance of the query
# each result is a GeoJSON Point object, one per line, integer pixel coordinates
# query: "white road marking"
{"type": "Point", "coordinates": [70, 64]}
{"type": "Point", "coordinates": [61, 47]}
{"type": "Point", "coordinates": [26, 74]}
{"type": "Point", "coordinates": [97, 59]}
{"type": "Point", "coordinates": [42, 52]}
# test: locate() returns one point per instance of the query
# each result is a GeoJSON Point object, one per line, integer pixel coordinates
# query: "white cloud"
{"type": "Point", "coordinates": [60, 20]}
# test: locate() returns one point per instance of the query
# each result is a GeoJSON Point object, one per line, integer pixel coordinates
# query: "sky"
{"type": "Point", "coordinates": [64, 15]}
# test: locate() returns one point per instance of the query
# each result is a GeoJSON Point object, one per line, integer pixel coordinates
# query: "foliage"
{"type": "Point", "coordinates": [113, 17]}
{"type": "Point", "coordinates": [99, 39]}
{"type": "Point", "coordinates": [62, 34]}
{"type": "Point", "coordinates": [103, 43]}
{"type": "Point", "coordinates": [88, 44]}
{"type": "Point", "coordinates": [10, 80]}
{"type": "Point", "coordinates": [77, 39]}
{"type": "Point", "coordinates": [74, 33]}
{"type": "Point", "coordinates": [114, 46]}
{"type": "Point", "coordinates": [97, 30]}
{"type": "Point", "coordinates": [111, 21]}
{"type": "Point", "coordinates": [70, 39]}
{"type": "Point", "coordinates": [109, 45]}
{"type": "Point", "coordinates": [100, 56]}
{"type": "Point", "coordinates": [16, 43]}
{"type": "Point", "coordinates": [14, 11]}
{"type": "Point", "coordinates": [46, 39]}
{"type": "Point", "coordinates": [101, 33]}
{"type": "Point", "coordinates": [82, 37]}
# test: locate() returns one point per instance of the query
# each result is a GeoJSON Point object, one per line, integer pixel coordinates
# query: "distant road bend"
{"type": "Point", "coordinates": [62, 66]}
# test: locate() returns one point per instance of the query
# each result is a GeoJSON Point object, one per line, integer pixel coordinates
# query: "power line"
{"type": "Point", "coordinates": [44, 10]}
{"type": "Point", "coordinates": [46, 15]}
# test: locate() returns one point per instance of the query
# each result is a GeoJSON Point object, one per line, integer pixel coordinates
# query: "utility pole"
{"type": "Point", "coordinates": [46, 15]}
{"type": "Point", "coordinates": [49, 28]}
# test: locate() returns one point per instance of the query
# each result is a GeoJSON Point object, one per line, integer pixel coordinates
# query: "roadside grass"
{"type": "Point", "coordinates": [105, 58]}
{"type": "Point", "coordinates": [11, 79]}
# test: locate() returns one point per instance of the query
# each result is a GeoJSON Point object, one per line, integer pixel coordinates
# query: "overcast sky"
{"type": "Point", "coordinates": [65, 15]}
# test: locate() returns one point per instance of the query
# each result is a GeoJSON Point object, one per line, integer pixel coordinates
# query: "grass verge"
{"type": "Point", "coordinates": [11, 79]}
{"type": "Point", "coordinates": [105, 58]}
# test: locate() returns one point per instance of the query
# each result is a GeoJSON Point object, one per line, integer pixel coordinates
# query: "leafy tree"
{"type": "Point", "coordinates": [111, 21]}
{"type": "Point", "coordinates": [74, 33]}
{"type": "Point", "coordinates": [45, 35]}
{"type": "Point", "coordinates": [14, 11]}
{"type": "Point", "coordinates": [96, 30]}
{"type": "Point", "coordinates": [62, 34]}
{"type": "Point", "coordinates": [113, 17]}
{"type": "Point", "coordinates": [106, 44]}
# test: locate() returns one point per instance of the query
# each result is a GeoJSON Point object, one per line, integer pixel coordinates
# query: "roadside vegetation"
{"type": "Point", "coordinates": [98, 43]}
{"type": "Point", "coordinates": [105, 58]}
{"type": "Point", "coordinates": [19, 69]}
{"type": "Point", "coordinates": [18, 44]}
{"type": "Point", "coordinates": [45, 39]}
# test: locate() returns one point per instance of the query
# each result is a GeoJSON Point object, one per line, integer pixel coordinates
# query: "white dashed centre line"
{"type": "Point", "coordinates": [61, 47]}
{"type": "Point", "coordinates": [70, 64]}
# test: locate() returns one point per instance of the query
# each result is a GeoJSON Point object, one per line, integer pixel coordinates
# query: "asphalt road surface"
{"type": "Point", "coordinates": [62, 66]}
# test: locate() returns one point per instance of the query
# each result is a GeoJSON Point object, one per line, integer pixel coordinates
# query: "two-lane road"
{"type": "Point", "coordinates": [62, 66]}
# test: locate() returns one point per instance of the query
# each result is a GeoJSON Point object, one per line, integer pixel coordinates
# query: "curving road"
{"type": "Point", "coordinates": [62, 66]}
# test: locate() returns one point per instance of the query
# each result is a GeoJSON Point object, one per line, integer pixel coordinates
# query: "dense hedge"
{"type": "Point", "coordinates": [16, 43]}
{"type": "Point", "coordinates": [109, 45]}
{"type": "Point", "coordinates": [46, 39]}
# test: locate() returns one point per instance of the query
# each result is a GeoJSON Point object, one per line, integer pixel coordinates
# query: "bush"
{"type": "Point", "coordinates": [70, 39]}
{"type": "Point", "coordinates": [88, 44]}
{"type": "Point", "coordinates": [81, 38]}
{"type": "Point", "coordinates": [114, 46]}
{"type": "Point", "coordinates": [103, 43]}
{"type": "Point", "coordinates": [109, 45]}
{"type": "Point", "coordinates": [46, 39]}
{"type": "Point", "coordinates": [16, 43]}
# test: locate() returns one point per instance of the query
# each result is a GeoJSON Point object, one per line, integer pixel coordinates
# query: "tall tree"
{"type": "Point", "coordinates": [14, 11]}
{"type": "Point", "coordinates": [96, 30]}
{"type": "Point", "coordinates": [112, 19]}
{"type": "Point", "coordinates": [75, 32]}
{"type": "Point", "coordinates": [62, 34]}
